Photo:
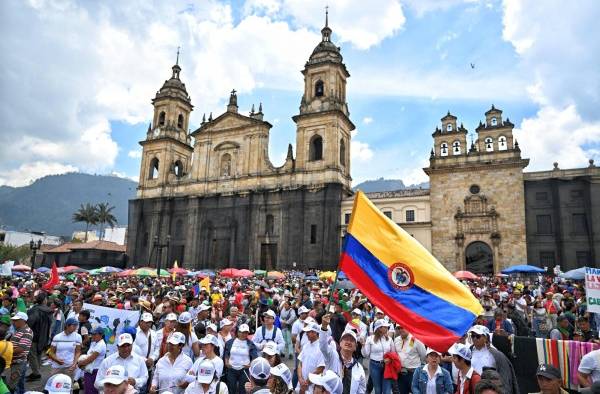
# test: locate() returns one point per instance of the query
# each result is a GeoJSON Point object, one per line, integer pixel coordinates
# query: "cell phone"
{"type": "Point", "coordinates": [331, 309]}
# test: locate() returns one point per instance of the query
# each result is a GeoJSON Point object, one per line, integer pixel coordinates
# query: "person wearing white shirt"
{"type": "Point", "coordinates": [431, 378]}
{"type": "Point", "coordinates": [135, 365]}
{"type": "Point", "coordinates": [65, 349]}
{"type": "Point", "coordinates": [184, 325]}
{"type": "Point", "coordinates": [208, 345]}
{"type": "Point", "coordinates": [238, 354]}
{"type": "Point", "coordinates": [467, 377]}
{"type": "Point", "coordinates": [310, 359]}
{"type": "Point", "coordinates": [268, 332]}
{"type": "Point", "coordinates": [172, 368]}
{"type": "Point", "coordinates": [589, 369]}
{"type": "Point", "coordinates": [374, 348]}
{"type": "Point", "coordinates": [160, 342]}
{"type": "Point", "coordinates": [224, 333]}
{"type": "Point", "coordinates": [93, 358]}
{"type": "Point", "coordinates": [145, 338]}
{"type": "Point", "coordinates": [412, 355]}
{"type": "Point", "coordinates": [206, 381]}
{"type": "Point", "coordinates": [287, 317]}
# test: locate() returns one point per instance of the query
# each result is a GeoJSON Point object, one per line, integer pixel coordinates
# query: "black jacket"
{"type": "Point", "coordinates": [40, 321]}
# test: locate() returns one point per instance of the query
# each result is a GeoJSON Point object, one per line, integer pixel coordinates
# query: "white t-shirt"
{"type": "Point", "coordinates": [187, 348]}
{"type": "Point", "coordinates": [590, 364]}
{"type": "Point", "coordinates": [482, 358]}
{"type": "Point", "coordinates": [217, 362]}
{"type": "Point", "coordinates": [239, 354]}
{"type": "Point", "coordinates": [65, 348]}
{"type": "Point", "coordinates": [311, 358]}
{"type": "Point", "coordinates": [167, 375]}
{"type": "Point", "coordinates": [100, 348]}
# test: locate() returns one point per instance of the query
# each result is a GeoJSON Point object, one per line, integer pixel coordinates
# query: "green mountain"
{"type": "Point", "coordinates": [387, 185]}
{"type": "Point", "coordinates": [49, 202]}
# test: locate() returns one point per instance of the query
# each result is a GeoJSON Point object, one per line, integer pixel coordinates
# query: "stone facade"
{"type": "Point", "coordinates": [477, 196]}
{"type": "Point", "coordinates": [217, 198]}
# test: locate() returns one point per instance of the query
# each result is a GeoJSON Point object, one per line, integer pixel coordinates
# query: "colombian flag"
{"type": "Point", "coordinates": [402, 278]}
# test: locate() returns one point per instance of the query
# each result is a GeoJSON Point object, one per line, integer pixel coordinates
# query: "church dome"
{"type": "Point", "coordinates": [325, 50]}
{"type": "Point", "coordinates": [173, 87]}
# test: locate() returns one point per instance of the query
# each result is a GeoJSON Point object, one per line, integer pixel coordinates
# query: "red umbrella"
{"type": "Point", "coordinates": [465, 275]}
{"type": "Point", "coordinates": [230, 273]}
{"type": "Point", "coordinates": [178, 271]}
{"type": "Point", "coordinates": [21, 267]}
{"type": "Point", "coordinates": [245, 273]}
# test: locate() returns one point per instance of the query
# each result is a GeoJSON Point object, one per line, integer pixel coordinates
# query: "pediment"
{"type": "Point", "coordinates": [227, 145]}
{"type": "Point", "coordinates": [230, 121]}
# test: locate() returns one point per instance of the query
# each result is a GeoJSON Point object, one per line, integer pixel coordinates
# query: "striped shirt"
{"type": "Point", "coordinates": [22, 339]}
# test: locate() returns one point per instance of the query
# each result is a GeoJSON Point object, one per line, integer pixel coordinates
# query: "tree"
{"type": "Point", "coordinates": [16, 253]}
{"type": "Point", "coordinates": [88, 214]}
{"type": "Point", "coordinates": [105, 216]}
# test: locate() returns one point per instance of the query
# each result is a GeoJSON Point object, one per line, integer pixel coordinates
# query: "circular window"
{"type": "Point", "coordinates": [474, 189]}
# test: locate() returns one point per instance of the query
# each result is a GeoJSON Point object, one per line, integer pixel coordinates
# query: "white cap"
{"type": "Point", "coordinates": [270, 348]}
{"type": "Point", "coordinates": [329, 381]}
{"type": "Point", "coordinates": [206, 371]}
{"type": "Point", "coordinates": [115, 374]}
{"type": "Point", "coordinates": [357, 311]}
{"type": "Point", "coordinates": [125, 338]}
{"type": "Point", "coordinates": [244, 328]}
{"type": "Point", "coordinates": [185, 318]}
{"type": "Point", "coordinates": [260, 368]}
{"type": "Point", "coordinates": [147, 317]}
{"type": "Point", "coordinates": [430, 350]}
{"type": "Point", "coordinates": [311, 326]}
{"type": "Point", "coordinates": [212, 326]}
{"type": "Point", "coordinates": [348, 332]}
{"type": "Point", "coordinates": [171, 316]}
{"type": "Point", "coordinates": [460, 350]}
{"type": "Point", "coordinates": [59, 383]}
{"type": "Point", "coordinates": [303, 309]}
{"type": "Point", "coordinates": [379, 323]}
{"type": "Point", "coordinates": [204, 307]}
{"type": "Point", "coordinates": [176, 338]}
{"type": "Point", "coordinates": [479, 329]}
{"type": "Point", "coordinates": [284, 373]}
{"type": "Point", "coordinates": [269, 313]}
{"type": "Point", "coordinates": [209, 338]}
{"type": "Point", "coordinates": [19, 316]}
{"type": "Point", "coordinates": [225, 322]}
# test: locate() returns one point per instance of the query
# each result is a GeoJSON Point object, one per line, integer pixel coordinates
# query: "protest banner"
{"type": "Point", "coordinates": [6, 268]}
{"type": "Point", "coordinates": [592, 289]}
{"type": "Point", "coordinates": [113, 321]}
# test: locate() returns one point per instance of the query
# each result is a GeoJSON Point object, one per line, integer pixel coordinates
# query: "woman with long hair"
{"type": "Point", "coordinates": [184, 326]}
{"type": "Point", "coordinates": [375, 347]}
{"type": "Point", "coordinates": [281, 380]}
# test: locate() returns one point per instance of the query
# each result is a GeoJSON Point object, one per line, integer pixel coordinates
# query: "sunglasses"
{"type": "Point", "coordinates": [476, 336]}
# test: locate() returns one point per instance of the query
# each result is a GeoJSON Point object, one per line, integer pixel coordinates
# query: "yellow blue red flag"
{"type": "Point", "coordinates": [401, 277]}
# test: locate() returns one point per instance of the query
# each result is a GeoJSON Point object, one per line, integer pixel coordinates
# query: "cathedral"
{"type": "Point", "coordinates": [213, 199]}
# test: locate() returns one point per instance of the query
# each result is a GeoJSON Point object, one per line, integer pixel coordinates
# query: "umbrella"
{"type": "Point", "coordinates": [178, 271]}
{"type": "Point", "coordinates": [126, 273]}
{"type": "Point", "coordinates": [501, 275]}
{"type": "Point", "coordinates": [21, 267]}
{"type": "Point", "coordinates": [229, 273]}
{"type": "Point", "coordinates": [576, 274]}
{"type": "Point", "coordinates": [149, 271]}
{"type": "Point", "coordinates": [205, 273]}
{"type": "Point", "coordinates": [523, 269]}
{"type": "Point", "coordinates": [296, 274]}
{"type": "Point", "coordinates": [260, 272]}
{"type": "Point", "coordinates": [345, 284]}
{"type": "Point", "coordinates": [342, 275]}
{"type": "Point", "coordinates": [327, 275]}
{"type": "Point", "coordinates": [261, 283]}
{"type": "Point", "coordinates": [275, 275]}
{"type": "Point", "coordinates": [42, 270]}
{"type": "Point", "coordinates": [465, 275]}
{"type": "Point", "coordinates": [311, 277]}
{"type": "Point", "coordinates": [68, 269]}
{"type": "Point", "coordinates": [108, 269]}
{"type": "Point", "coordinates": [245, 273]}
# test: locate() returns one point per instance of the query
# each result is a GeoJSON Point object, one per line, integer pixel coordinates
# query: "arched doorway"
{"type": "Point", "coordinates": [479, 258]}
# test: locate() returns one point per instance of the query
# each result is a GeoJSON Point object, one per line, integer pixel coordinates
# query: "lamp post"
{"type": "Point", "coordinates": [159, 247]}
{"type": "Point", "coordinates": [34, 246]}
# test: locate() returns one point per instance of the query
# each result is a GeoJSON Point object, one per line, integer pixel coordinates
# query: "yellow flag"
{"type": "Point", "coordinates": [174, 273]}
{"type": "Point", "coordinates": [205, 283]}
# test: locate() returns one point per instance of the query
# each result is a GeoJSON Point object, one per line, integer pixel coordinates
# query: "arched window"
{"type": "Point", "coordinates": [315, 151]}
{"type": "Point", "coordinates": [489, 144]}
{"type": "Point", "coordinates": [153, 173]}
{"type": "Point", "coordinates": [456, 148]}
{"type": "Point", "coordinates": [502, 145]}
{"type": "Point", "coordinates": [319, 88]}
{"type": "Point", "coordinates": [444, 149]}
{"type": "Point", "coordinates": [161, 118]}
{"type": "Point", "coordinates": [226, 165]}
{"type": "Point", "coordinates": [180, 121]}
{"type": "Point", "coordinates": [494, 122]}
{"type": "Point", "coordinates": [449, 127]}
{"type": "Point", "coordinates": [178, 169]}
{"type": "Point", "coordinates": [342, 152]}
{"type": "Point", "coordinates": [270, 225]}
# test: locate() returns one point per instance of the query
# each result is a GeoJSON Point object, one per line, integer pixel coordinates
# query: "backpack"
{"type": "Point", "coordinates": [264, 332]}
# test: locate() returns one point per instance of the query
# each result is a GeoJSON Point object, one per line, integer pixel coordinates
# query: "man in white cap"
{"type": "Point", "coordinates": [260, 372]}
{"type": "Point", "coordinates": [21, 340]}
{"type": "Point", "coordinates": [268, 332]}
{"type": "Point", "coordinates": [287, 317]}
{"type": "Point", "coordinates": [326, 383]}
{"type": "Point", "coordinates": [135, 365]}
{"type": "Point", "coordinates": [467, 376]}
{"type": "Point", "coordinates": [311, 358]}
{"type": "Point", "coordinates": [342, 362]}
{"type": "Point", "coordinates": [145, 338]}
{"type": "Point", "coordinates": [59, 384]}
{"type": "Point", "coordinates": [412, 355]}
{"type": "Point", "coordinates": [115, 380]}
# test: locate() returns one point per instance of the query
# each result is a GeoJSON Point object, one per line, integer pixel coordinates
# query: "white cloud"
{"type": "Point", "coordinates": [558, 43]}
{"type": "Point", "coordinates": [135, 154]}
{"type": "Point", "coordinates": [359, 151]}
{"type": "Point", "coordinates": [28, 172]}
{"type": "Point", "coordinates": [367, 120]}
{"type": "Point", "coordinates": [422, 7]}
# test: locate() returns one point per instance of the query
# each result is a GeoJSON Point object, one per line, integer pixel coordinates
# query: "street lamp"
{"type": "Point", "coordinates": [34, 246]}
{"type": "Point", "coordinates": [159, 248]}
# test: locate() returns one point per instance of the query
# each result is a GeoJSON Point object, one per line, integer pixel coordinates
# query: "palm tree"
{"type": "Point", "coordinates": [86, 213]}
{"type": "Point", "coordinates": [105, 216]}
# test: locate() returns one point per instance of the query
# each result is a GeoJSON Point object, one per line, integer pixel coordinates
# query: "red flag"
{"type": "Point", "coordinates": [53, 281]}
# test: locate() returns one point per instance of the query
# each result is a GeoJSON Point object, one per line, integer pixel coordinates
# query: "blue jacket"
{"type": "Point", "coordinates": [506, 326]}
{"type": "Point", "coordinates": [443, 382]}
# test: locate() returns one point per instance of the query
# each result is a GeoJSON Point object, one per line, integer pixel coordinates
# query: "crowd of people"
{"type": "Point", "coordinates": [250, 335]}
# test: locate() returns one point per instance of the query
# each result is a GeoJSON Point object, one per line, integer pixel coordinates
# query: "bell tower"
{"type": "Point", "coordinates": [323, 124]}
{"type": "Point", "coordinates": [167, 149]}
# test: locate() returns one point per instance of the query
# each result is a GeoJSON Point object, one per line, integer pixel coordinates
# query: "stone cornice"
{"type": "Point", "coordinates": [478, 165]}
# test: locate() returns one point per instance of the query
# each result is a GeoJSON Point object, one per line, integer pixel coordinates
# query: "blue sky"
{"type": "Point", "coordinates": [83, 73]}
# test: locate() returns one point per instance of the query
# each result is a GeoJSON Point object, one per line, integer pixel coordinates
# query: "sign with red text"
{"type": "Point", "coordinates": [592, 289]}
